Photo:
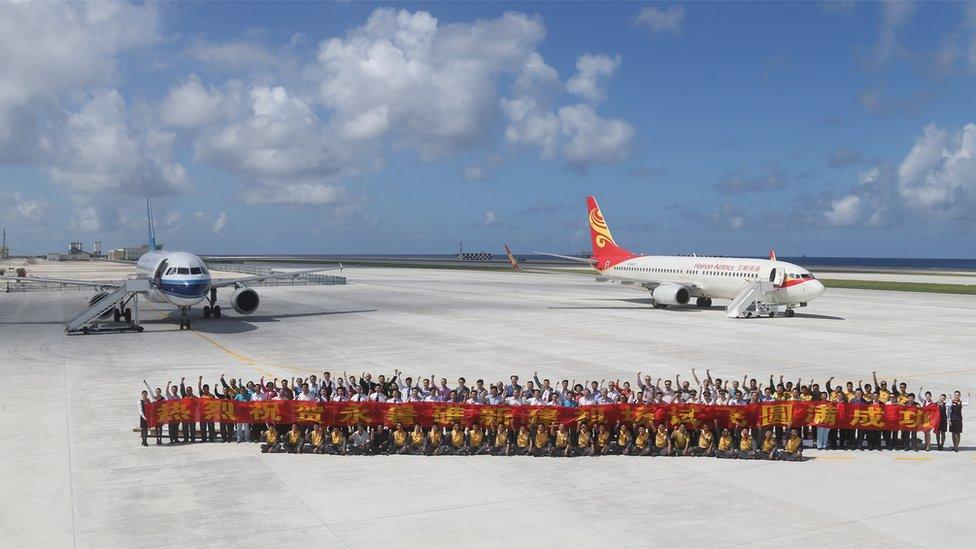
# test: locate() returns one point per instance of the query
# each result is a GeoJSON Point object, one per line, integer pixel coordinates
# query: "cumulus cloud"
{"type": "Point", "coordinates": [592, 139]}
{"type": "Point", "coordinates": [190, 105]}
{"type": "Point", "coordinates": [296, 194]}
{"type": "Point", "coordinates": [98, 150]}
{"type": "Point", "coordinates": [592, 72]}
{"type": "Point", "coordinates": [220, 224]}
{"type": "Point", "coordinates": [771, 177]}
{"type": "Point", "coordinates": [490, 219]}
{"type": "Point", "coordinates": [844, 212]}
{"type": "Point", "coordinates": [939, 174]}
{"type": "Point", "coordinates": [662, 20]}
{"type": "Point", "coordinates": [15, 206]}
{"type": "Point", "coordinates": [50, 49]}
{"type": "Point", "coordinates": [231, 55]}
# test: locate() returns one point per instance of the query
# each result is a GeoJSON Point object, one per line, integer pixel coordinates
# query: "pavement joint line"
{"type": "Point", "coordinates": [857, 520]}
{"type": "Point", "coordinates": [67, 427]}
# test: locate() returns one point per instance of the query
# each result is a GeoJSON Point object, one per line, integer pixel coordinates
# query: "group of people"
{"type": "Point", "coordinates": [569, 393]}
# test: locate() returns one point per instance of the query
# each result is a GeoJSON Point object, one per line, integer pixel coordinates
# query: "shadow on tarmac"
{"type": "Point", "coordinates": [242, 324]}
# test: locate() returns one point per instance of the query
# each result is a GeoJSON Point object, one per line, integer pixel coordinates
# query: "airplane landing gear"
{"type": "Point", "coordinates": [184, 318]}
{"type": "Point", "coordinates": [790, 312]}
{"type": "Point", "coordinates": [703, 302]}
{"type": "Point", "coordinates": [213, 309]}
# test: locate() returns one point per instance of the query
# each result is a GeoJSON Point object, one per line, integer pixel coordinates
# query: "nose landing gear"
{"type": "Point", "coordinates": [212, 309]}
{"type": "Point", "coordinates": [184, 318]}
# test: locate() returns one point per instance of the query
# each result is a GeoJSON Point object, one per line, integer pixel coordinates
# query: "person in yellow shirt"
{"type": "Point", "coordinates": [724, 448]}
{"type": "Point", "coordinates": [706, 443]}
{"type": "Point", "coordinates": [435, 441]}
{"type": "Point", "coordinates": [501, 441]}
{"type": "Point", "coordinates": [622, 445]}
{"type": "Point", "coordinates": [793, 449]}
{"type": "Point", "coordinates": [747, 447]}
{"type": "Point", "coordinates": [456, 443]}
{"type": "Point", "coordinates": [584, 440]}
{"type": "Point", "coordinates": [602, 440]}
{"type": "Point", "coordinates": [642, 442]}
{"type": "Point", "coordinates": [271, 443]}
{"type": "Point", "coordinates": [523, 442]}
{"type": "Point", "coordinates": [398, 439]}
{"type": "Point", "coordinates": [541, 441]}
{"type": "Point", "coordinates": [768, 448]}
{"type": "Point", "coordinates": [314, 441]}
{"type": "Point", "coordinates": [562, 443]}
{"type": "Point", "coordinates": [335, 443]}
{"type": "Point", "coordinates": [662, 442]}
{"type": "Point", "coordinates": [416, 442]}
{"type": "Point", "coordinates": [680, 441]}
{"type": "Point", "coordinates": [477, 443]}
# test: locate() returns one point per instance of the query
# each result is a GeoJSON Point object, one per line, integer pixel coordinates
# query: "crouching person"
{"type": "Point", "coordinates": [457, 444]}
{"type": "Point", "coordinates": [293, 439]}
{"type": "Point", "coordinates": [706, 443]}
{"type": "Point", "coordinates": [642, 443]}
{"type": "Point", "coordinates": [724, 449]}
{"type": "Point", "coordinates": [359, 442]}
{"type": "Point", "coordinates": [398, 439]}
{"type": "Point", "coordinates": [793, 449]}
{"type": "Point", "coordinates": [314, 441]}
{"type": "Point", "coordinates": [271, 443]}
{"type": "Point", "coordinates": [477, 444]}
{"type": "Point", "coordinates": [747, 447]}
{"type": "Point", "coordinates": [562, 444]}
{"type": "Point", "coordinates": [501, 442]}
{"type": "Point", "coordinates": [523, 443]}
{"type": "Point", "coordinates": [768, 448]}
{"type": "Point", "coordinates": [541, 442]}
{"type": "Point", "coordinates": [416, 442]}
{"type": "Point", "coordinates": [336, 443]}
{"type": "Point", "coordinates": [584, 441]}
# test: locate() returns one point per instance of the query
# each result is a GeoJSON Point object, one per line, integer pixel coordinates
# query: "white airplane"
{"type": "Point", "coordinates": [675, 280]}
{"type": "Point", "coordinates": [180, 279]}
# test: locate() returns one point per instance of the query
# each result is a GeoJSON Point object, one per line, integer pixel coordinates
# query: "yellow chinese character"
{"type": "Point", "coordinates": [265, 412]}
{"type": "Point", "coordinates": [592, 415]}
{"type": "Point", "coordinates": [351, 414]}
{"type": "Point", "coordinates": [308, 413]}
{"type": "Point", "coordinates": [492, 415]}
{"type": "Point", "coordinates": [683, 414]}
{"type": "Point", "coordinates": [776, 414]}
{"type": "Point", "coordinates": [870, 417]}
{"type": "Point", "coordinates": [545, 416]}
{"type": "Point", "coordinates": [911, 418]}
{"type": "Point", "coordinates": [446, 415]}
{"type": "Point", "coordinates": [736, 417]}
{"type": "Point", "coordinates": [824, 415]}
{"type": "Point", "coordinates": [218, 410]}
{"type": "Point", "coordinates": [173, 412]}
{"type": "Point", "coordinates": [401, 413]}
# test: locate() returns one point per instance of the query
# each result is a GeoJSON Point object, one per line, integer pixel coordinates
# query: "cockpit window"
{"type": "Point", "coordinates": [195, 270]}
{"type": "Point", "coordinates": [183, 271]}
{"type": "Point", "coordinates": [807, 276]}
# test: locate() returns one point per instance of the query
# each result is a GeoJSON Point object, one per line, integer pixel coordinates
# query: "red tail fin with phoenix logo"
{"type": "Point", "coordinates": [605, 250]}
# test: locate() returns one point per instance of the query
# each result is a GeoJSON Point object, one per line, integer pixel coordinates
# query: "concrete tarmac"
{"type": "Point", "coordinates": [73, 473]}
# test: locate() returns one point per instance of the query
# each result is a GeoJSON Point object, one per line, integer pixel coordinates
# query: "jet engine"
{"type": "Point", "coordinates": [245, 300]}
{"type": "Point", "coordinates": [671, 294]}
{"type": "Point", "coordinates": [98, 297]}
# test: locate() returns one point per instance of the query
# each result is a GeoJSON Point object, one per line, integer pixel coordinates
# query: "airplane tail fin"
{"type": "Point", "coordinates": [152, 229]}
{"type": "Point", "coordinates": [605, 249]}
{"type": "Point", "coordinates": [511, 259]}
{"type": "Point", "coordinates": [772, 255]}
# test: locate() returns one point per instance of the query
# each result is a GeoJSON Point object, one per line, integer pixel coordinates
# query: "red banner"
{"type": "Point", "coordinates": [427, 414]}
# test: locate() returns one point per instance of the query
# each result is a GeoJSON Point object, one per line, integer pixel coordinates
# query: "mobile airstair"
{"type": "Point", "coordinates": [106, 310]}
{"type": "Point", "coordinates": [755, 299]}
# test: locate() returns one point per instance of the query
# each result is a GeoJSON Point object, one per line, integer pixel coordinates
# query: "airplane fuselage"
{"type": "Point", "coordinates": [719, 277]}
{"type": "Point", "coordinates": [179, 278]}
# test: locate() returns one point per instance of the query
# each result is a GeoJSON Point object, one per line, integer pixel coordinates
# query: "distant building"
{"type": "Point", "coordinates": [97, 248]}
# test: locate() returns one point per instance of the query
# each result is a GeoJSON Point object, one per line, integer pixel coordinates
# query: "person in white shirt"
{"type": "Point", "coordinates": [376, 396]}
{"type": "Point", "coordinates": [536, 399]}
{"type": "Point", "coordinates": [306, 395]}
{"type": "Point", "coordinates": [432, 397]}
{"type": "Point", "coordinates": [516, 398]}
{"type": "Point", "coordinates": [587, 399]}
{"type": "Point", "coordinates": [415, 395]}
{"type": "Point", "coordinates": [395, 398]}
{"type": "Point", "coordinates": [494, 396]}
{"type": "Point", "coordinates": [340, 394]}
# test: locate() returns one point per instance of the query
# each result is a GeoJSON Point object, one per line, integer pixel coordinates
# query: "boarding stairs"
{"type": "Point", "coordinates": [754, 299]}
{"type": "Point", "coordinates": [86, 319]}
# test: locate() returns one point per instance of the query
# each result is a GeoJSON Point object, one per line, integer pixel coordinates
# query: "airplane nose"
{"type": "Point", "coordinates": [818, 288]}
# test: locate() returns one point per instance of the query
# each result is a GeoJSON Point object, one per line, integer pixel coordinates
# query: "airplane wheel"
{"type": "Point", "coordinates": [187, 324]}
{"type": "Point", "coordinates": [181, 324]}
{"type": "Point", "coordinates": [771, 315]}
{"type": "Point", "coordinates": [216, 311]}
{"type": "Point", "coordinates": [790, 312]}
{"type": "Point", "coordinates": [206, 311]}
{"type": "Point", "coordinates": [128, 315]}
{"type": "Point", "coordinates": [139, 329]}
{"type": "Point", "coordinates": [749, 315]}
{"type": "Point", "coordinates": [708, 302]}
{"type": "Point", "coordinates": [117, 316]}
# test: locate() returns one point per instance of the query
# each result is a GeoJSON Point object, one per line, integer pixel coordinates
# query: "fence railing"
{"type": "Point", "coordinates": [298, 280]}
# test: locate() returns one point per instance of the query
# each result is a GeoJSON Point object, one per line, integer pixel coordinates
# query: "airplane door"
{"type": "Point", "coordinates": [159, 272]}
{"type": "Point", "coordinates": [776, 277]}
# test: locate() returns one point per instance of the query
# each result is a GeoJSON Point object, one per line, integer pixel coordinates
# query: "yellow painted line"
{"type": "Point", "coordinates": [912, 459]}
{"type": "Point", "coordinates": [238, 356]}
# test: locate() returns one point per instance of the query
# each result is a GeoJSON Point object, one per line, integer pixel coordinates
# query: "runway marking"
{"type": "Point", "coordinates": [238, 356]}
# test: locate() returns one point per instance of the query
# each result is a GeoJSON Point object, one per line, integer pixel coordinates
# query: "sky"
{"type": "Point", "coordinates": [818, 129]}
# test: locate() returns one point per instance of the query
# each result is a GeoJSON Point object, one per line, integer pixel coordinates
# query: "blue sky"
{"type": "Point", "coordinates": [813, 128]}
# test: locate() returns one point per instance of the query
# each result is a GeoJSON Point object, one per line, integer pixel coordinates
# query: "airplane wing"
{"type": "Point", "coordinates": [589, 260]}
{"type": "Point", "coordinates": [259, 278]}
{"type": "Point", "coordinates": [65, 281]}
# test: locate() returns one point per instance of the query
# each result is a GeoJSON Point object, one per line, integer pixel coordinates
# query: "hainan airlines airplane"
{"type": "Point", "coordinates": [180, 279]}
{"type": "Point", "coordinates": [675, 280]}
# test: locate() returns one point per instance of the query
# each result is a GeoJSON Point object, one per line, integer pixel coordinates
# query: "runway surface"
{"type": "Point", "coordinates": [73, 473]}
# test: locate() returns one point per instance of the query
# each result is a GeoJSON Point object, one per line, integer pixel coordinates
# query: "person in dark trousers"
{"type": "Point", "coordinates": [208, 431]}
{"type": "Point", "coordinates": [157, 397]}
{"type": "Point", "coordinates": [940, 434]}
{"type": "Point", "coordinates": [173, 393]}
{"type": "Point", "coordinates": [143, 423]}
{"type": "Point", "coordinates": [189, 428]}
{"type": "Point", "coordinates": [955, 417]}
